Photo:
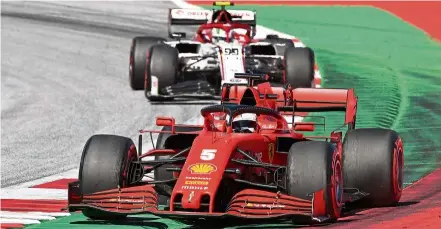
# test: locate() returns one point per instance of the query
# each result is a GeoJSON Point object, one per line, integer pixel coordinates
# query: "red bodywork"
{"type": "Point", "coordinates": [214, 157]}
{"type": "Point", "coordinates": [309, 98]}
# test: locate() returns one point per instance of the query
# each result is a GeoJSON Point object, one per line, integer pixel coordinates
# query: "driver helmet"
{"type": "Point", "coordinates": [237, 35]}
{"type": "Point", "coordinates": [218, 35]}
{"type": "Point", "coordinates": [234, 37]}
{"type": "Point", "coordinates": [246, 122]}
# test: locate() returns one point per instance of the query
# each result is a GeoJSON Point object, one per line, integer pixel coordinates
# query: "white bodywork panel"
{"type": "Point", "coordinates": [192, 58]}
{"type": "Point", "coordinates": [230, 58]}
{"type": "Point", "coordinates": [154, 90]}
{"type": "Point", "coordinates": [232, 61]}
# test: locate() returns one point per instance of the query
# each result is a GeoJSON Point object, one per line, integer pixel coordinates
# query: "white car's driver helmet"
{"type": "Point", "coordinates": [237, 35]}
{"type": "Point", "coordinates": [245, 123]}
{"type": "Point", "coordinates": [218, 35]}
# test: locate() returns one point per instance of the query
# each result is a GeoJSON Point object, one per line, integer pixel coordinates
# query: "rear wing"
{"type": "Point", "coordinates": [189, 16]}
{"type": "Point", "coordinates": [324, 100]}
{"type": "Point", "coordinates": [203, 16]}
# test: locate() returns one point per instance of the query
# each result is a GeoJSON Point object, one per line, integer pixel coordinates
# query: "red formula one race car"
{"type": "Point", "coordinates": [244, 162]}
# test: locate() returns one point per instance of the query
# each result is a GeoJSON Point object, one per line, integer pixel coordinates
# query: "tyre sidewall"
{"type": "Point", "coordinates": [103, 168]}
{"type": "Point", "coordinates": [299, 67]}
{"type": "Point", "coordinates": [120, 161]}
{"type": "Point", "coordinates": [139, 51]}
{"type": "Point", "coordinates": [305, 178]}
{"type": "Point", "coordinates": [162, 61]}
{"type": "Point", "coordinates": [373, 161]}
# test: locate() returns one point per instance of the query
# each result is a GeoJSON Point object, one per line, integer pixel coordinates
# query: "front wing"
{"type": "Point", "coordinates": [196, 89]}
{"type": "Point", "coordinates": [249, 204]}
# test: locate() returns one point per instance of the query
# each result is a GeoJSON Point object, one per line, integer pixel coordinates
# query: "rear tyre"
{"type": "Point", "coordinates": [160, 173]}
{"type": "Point", "coordinates": [373, 162]}
{"type": "Point", "coordinates": [104, 165]}
{"type": "Point", "coordinates": [161, 70]}
{"type": "Point", "coordinates": [314, 166]}
{"type": "Point", "coordinates": [138, 54]}
{"type": "Point", "coordinates": [299, 67]}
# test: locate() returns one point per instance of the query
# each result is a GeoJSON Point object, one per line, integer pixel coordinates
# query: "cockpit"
{"type": "Point", "coordinates": [245, 123]}
{"type": "Point", "coordinates": [242, 119]}
{"type": "Point", "coordinates": [223, 29]}
{"type": "Point", "coordinates": [219, 34]}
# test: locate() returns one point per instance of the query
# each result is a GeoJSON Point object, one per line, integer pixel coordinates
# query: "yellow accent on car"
{"type": "Point", "coordinates": [223, 3]}
{"type": "Point", "coordinates": [202, 168]}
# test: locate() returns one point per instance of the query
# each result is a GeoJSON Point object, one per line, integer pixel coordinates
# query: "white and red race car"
{"type": "Point", "coordinates": [224, 44]}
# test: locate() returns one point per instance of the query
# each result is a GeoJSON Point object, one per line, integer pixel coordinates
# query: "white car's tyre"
{"type": "Point", "coordinates": [138, 54]}
{"type": "Point", "coordinates": [299, 67]}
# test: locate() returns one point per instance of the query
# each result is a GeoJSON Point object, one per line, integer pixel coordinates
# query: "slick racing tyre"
{"type": "Point", "coordinates": [104, 165]}
{"type": "Point", "coordinates": [299, 67]}
{"type": "Point", "coordinates": [138, 54]}
{"type": "Point", "coordinates": [373, 162]}
{"type": "Point", "coordinates": [163, 142]}
{"type": "Point", "coordinates": [161, 70]}
{"type": "Point", "coordinates": [315, 166]}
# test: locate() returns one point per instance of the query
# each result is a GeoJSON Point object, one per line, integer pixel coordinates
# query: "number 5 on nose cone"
{"type": "Point", "coordinates": [208, 154]}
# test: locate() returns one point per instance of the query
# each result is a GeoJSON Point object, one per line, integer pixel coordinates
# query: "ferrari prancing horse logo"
{"type": "Point", "coordinates": [271, 152]}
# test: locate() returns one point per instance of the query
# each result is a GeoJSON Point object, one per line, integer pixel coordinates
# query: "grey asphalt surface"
{"type": "Point", "coordinates": [65, 77]}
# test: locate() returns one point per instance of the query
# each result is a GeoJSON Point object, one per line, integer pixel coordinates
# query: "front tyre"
{"type": "Point", "coordinates": [161, 70]}
{"type": "Point", "coordinates": [105, 165]}
{"type": "Point", "coordinates": [314, 167]}
{"type": "Point", "coordinates": [139, 51]}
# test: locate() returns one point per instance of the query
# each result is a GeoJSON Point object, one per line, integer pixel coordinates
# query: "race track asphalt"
{"type": "Point", "coordinates": [65, 77]}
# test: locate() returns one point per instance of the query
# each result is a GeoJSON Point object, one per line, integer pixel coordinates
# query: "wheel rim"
{"type": "Point", "coordinates": [398, 169]}
{"type": "Point", "coordinates": [338, 185]}
{"type": "Point", "coordinates": [131, 155]}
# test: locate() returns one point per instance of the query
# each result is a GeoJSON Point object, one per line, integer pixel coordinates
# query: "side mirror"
{"type": "Point", "coordinates": [304, 126]}
{"type": "Point", "coordinates": [272, 36]}
{"type": "Point", "coordinates": [178, 35]}
{"type": "Point", "coordinates": [165, 121]}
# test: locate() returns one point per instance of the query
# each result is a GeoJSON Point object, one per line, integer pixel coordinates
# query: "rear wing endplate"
{"type": "Point", "coordinates": [189, 16]}
{"type": "Point", "coordinates": [324, 100]}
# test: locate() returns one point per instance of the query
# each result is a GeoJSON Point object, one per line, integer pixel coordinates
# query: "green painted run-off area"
{"type": "Point", "coordinates": [394, 67]}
